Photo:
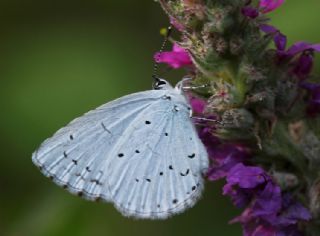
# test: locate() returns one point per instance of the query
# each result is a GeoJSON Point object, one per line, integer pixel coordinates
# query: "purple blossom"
{"type": "Point", "coordinates": [314, 102]}
{"type": "Point", "coordinates": [265, 6]}
{"type": "Point", "coordinates": [245, 177]}
{"type": "Point", "coordinates": [301, 47]}
{"type": "Point", "coordinates": [268, 200]}
{"type": "Point", "coordinates": [292, 211]}
{"type": "Point", "coordinates": [198, 105]}
{"type": "Point", "coordinates": [280, 39]}
{"type": "Point", "coordinates": [244, 183]}
{"type": "Point", "coordinates": [296, 49]}
{"type": "Point", "coordinates": [268, 212]}
{"type": "Point", "coordinates": [225, 157]}
{"type": "Point", "coordinates": [270, 5]}
{"type": "Point", "coordinates": [304, 65]}
{"type": "Point", "coordinates": [250, 12]}
{"type": "Point", "coordinates": [176, 58]}
{"type": "Point", "coordinates": [301, 64]}
{"type": "Point", "coordinates": [282, 223]}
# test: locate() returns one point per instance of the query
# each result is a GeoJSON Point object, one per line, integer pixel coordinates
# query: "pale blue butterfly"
{"type": "Point", "coordinates": [141, 152]}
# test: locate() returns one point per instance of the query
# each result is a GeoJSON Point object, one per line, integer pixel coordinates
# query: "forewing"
{"type": "Point", "coordinates": [156, 169]}
{"type": "Point", "coordinates": [77, 155]}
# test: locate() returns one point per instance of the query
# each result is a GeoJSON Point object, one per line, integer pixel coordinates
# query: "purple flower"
{"type": "Point", "coordinates": [224, 158]}
{"type": "Point", "coordinates": [264, 5]}
{"type": "Point", "coordinates": [282, 223]}
{"type": "Point", "coordinates": [245, 177]}
{"type": "Point", "coordinates": [268, 212]}
{"type": "Point", "coordinates": [292, 212]}
{"type": "Point", "coordinates": [314, 102]}
{"type": "Point", "coordinates": [177, 58]}
{"type": "Point", "coordinates": [209, 140]}
{"type": "Point", "coordinates": [303, 65]}
{"type": "Point", "coordinates": [198, 105]}
{"type": "Point", "coordinates": [270, 5]}
{"type": "Point", "coordinates": [279, 39]}
{"type": "Point", "coordinates": [301, 47]}
{"type": "Point", "coordinates": [250, 12]}
{"type": "Point", "coordinates": [268, 201]}
{"type": "Point", "coordinates": [244, 183]}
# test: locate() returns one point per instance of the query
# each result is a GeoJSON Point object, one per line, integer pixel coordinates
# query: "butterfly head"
{"type": "Point", "coordinates": [161, 84]}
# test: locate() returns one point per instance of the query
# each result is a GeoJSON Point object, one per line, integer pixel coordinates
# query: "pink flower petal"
{"type": "Point", "coordinates": [198, 105]}
{"type": "Point", "coordinates": [270, 5]}
{"type": "Point", "coordinates": [176, 58]}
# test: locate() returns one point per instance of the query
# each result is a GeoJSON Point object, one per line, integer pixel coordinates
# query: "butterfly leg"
{"type": "Point", "coordinates": [186, 88]}
{"type": "Point", "coordinates": [203, 119]}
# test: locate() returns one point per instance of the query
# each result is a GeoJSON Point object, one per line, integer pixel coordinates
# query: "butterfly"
{"type": "Point", "coordinates": [140, 152]}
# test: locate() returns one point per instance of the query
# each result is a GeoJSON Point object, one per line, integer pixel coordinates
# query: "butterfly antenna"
{"type": "Point", "coordinates": [156, 64]}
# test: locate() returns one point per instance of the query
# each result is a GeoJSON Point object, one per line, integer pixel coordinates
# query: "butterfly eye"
{"type": "Point", "coordinates": [160, 84]}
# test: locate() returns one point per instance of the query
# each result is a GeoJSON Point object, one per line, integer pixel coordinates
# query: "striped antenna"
{"type": "Point", "coordinates": [156, 64]}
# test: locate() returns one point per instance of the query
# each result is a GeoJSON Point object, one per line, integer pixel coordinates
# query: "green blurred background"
{"type": "Point", "coordinates": [59, 59]}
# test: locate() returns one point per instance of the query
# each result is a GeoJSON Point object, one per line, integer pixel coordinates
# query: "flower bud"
{"type": "Point", "coordinates": [236, 45]}
{"type": "Point", "coordinates": [237, 119]}
{"type": "Point", "coordinates": [286, 180]}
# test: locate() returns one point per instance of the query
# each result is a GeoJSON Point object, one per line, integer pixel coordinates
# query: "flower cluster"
{"type": "Point", "coordinates": [263, 145]}
{"type": "Point", "coordinates": [268, 211]}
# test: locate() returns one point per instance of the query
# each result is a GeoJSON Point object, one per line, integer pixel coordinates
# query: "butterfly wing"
{"type": "Point", "coordinates": [156, 168]}
{"type": "Point", "coordinates": [76, 156]}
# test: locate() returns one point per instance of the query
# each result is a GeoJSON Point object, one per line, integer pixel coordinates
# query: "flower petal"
{"type": "Point", "coordinates": [246, 176]}
{"type": "Point", "coordinates": [250, 12]}
{"type": "Point", "coordinates": [279, 39]}
{"type": "Point", "coordinates": [302, 46]}
{"type": "Point", "coordinates": [270, 5]}
{"type": "Point", "coordinates": [177, 58]}
{"type": "Point", "coordinates": [198, 105]}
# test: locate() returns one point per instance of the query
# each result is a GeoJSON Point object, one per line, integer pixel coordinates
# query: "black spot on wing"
{"type": "Point", "coordinates": [186, 173]}
{"type": "Point", "coordinates": [176, 108]}
{"type": "Point", "coordinates": [96, 181]}
{"type": "Point", "coordinates": [192, 155]}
